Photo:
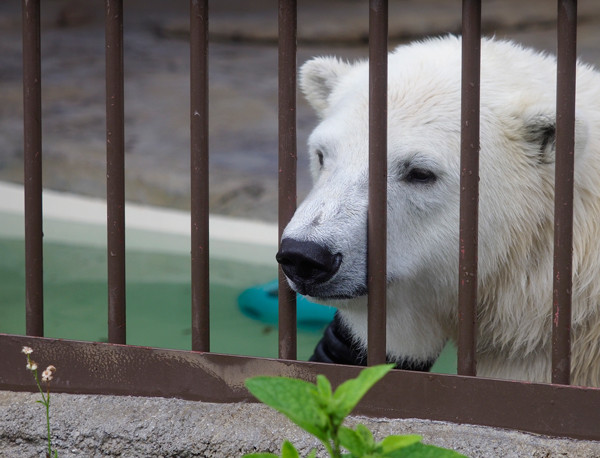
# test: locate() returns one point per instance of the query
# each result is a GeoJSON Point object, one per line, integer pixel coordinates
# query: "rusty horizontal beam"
{"type": "Point", "coordinates": [100, 368]}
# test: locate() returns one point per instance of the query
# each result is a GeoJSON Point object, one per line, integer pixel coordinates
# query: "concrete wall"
{"type": "Point", "coordinates": [103, 426]}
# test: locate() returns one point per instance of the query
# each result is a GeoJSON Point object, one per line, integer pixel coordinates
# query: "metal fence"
{"type": "Point", "coordinates": [115, 368]}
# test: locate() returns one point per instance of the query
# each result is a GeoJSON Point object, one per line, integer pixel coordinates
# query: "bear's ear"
{"type": "Point", "coordinates": [318, 78]}
{"type": "Point", "coordinates": [540, 133]}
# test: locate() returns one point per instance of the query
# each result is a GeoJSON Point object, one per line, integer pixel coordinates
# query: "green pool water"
{"type": "Point", "coordinates": [158, 301]}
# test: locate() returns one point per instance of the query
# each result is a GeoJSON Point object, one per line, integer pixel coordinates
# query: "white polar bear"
{"type": "Point", "coordinates": [323, 251]}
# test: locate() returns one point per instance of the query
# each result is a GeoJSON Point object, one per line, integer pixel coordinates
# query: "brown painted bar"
{"type": "Point", "coordinates": [377, 214]}
{"type": "Point", "coordinates": [32, 126]}
{"type": "Point", "coordinates": [563, 203]}
{"type": "Point", "coordinates": [199, 174]}
{"type": "Point", "coordinates": [84, 367]}
{"type": "Point", "coordinates": [115, 171]}
{"type": "Point", "coordinates": [287, 164]}
{"type": "Point", "coordinates": [469, 186]}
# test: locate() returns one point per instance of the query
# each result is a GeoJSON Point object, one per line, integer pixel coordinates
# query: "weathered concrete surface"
{"type": "Point", "coordinates": [103, 426]}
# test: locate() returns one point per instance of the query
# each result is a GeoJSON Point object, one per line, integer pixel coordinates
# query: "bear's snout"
{"type": "Point", "coordinates": [307, 263]}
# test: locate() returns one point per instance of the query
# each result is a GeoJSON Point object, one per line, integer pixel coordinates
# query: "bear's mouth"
{"type": "Point", "coordinates": [340, 297]}
{"type": "Point", "coordinates": [322, 293]}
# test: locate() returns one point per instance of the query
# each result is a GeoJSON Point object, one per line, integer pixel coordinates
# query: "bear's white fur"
{"type": "Point", "coordinates": [516, 203]}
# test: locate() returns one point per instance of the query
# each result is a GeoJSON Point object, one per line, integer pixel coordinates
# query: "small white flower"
{"type": "Point", "coordinates": [27, 350]}
{"type": "Point", "coordinates": [46, 376]}
{"type": "Point", "coordinates": [51, 369]}
{"type": "Point", "coordinates": [31, 365]}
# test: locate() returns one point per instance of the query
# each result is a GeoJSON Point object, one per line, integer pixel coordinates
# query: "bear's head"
{"type": "Point", "coordinates": [323, 250]}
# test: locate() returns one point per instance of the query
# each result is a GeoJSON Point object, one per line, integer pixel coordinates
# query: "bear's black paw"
{"type": "Point", "coordinates": [338, 347]}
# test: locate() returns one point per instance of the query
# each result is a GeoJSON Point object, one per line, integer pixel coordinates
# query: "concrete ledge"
{"type": "Point", "coordinates": [102, 426]}
{"type": "Point", "coordinates": [79, 220]}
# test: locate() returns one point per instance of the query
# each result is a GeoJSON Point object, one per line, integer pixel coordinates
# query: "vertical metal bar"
{"type": "Point", "coordinates": [469, 186]}
{"type": "Point", "coordinates": [287, 164]}
{"type": "Point", "coordinates": [563, 203]}
{"type": "Point", "coordinates": [115, 171]}
{"type": "Point", "coordinates": [199, 174]}
{"type": "Point", "coordinates": [32, 120]}
{"type": "Point", "coordinates": [377, 214]}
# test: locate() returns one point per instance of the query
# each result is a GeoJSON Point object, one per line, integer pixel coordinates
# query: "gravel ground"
{"type": "Point", "coordinates": [104, 426]}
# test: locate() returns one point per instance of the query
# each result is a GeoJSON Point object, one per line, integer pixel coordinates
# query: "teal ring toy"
{"type": "Point", "coordinates": [260, 303]}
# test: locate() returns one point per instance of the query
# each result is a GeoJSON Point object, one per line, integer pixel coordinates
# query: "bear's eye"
{"type": "Point", "coordinates": [320, 157]}
{"type": "Point", "coordinates": [420, 176]}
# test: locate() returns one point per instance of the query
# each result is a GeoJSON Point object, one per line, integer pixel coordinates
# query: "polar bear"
{"type": "Point", "coordinates": [323, 248]}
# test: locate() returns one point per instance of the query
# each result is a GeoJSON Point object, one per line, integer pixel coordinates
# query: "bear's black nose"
{"type": "Point", "coordinates": [307, 263]}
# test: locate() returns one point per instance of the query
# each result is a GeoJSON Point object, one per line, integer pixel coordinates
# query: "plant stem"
{"type": "Point", "coordinates": [47, 404]}
{"type": "Point", "coordinates": [330, 450]}
{"type": "Point", "coordinates": [336, 444]}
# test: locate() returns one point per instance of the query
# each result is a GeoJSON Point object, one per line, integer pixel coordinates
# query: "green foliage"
{"type": "Point", "coordinates": [287, 451]}
{"type": "Point", "coordinates": [319, 410]}
{"type": "Point", "coordinates": [296, 399]}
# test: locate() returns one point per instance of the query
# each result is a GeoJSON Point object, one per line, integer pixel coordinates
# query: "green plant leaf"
{"type": "Point", "coordinates": [296, 399]}
{"type": "Point", "coordinates": [353, 441]}
{"type": "Point", "coordinates": [289, 451]}
{"type": "Point", "coordinates": [391, 443]}
{"type": "Point", "coordinates": [312, 454]}
{"type": "Point", "coordinates": [351, 391]}
{"type": "Point", "coordinates": [366, 434]}
{"type": "Point", "coordinates": [420, 450]}
{"type": "Point", "coordinates": [324, 387]}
